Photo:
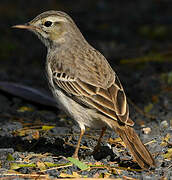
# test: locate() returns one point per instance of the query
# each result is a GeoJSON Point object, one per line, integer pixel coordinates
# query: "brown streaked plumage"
{"type": "Point", "coordinates": [84, 84]}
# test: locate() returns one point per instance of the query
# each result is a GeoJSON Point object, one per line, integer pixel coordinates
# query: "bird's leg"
{"type": "Point", "coordinates": [99, 140]}
{"type": "Point", "coordinates": [75, 155]}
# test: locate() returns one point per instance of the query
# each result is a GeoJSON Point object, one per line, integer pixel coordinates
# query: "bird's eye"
{"type": "Point", "coordinates": [47, 23]}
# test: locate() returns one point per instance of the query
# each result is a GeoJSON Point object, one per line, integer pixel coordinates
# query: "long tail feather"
{"type": "Point", "coordinates": [136, 147]}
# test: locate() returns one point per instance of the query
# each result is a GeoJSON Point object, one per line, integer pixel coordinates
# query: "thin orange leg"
{"type": "Point", "coordinates": [99, 140]}
{"type": "Point", "coordinates": [75, 155]}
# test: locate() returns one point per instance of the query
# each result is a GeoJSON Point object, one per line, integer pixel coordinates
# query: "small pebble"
{"type": "Point", "coordinates": [164, 124]}
{"type": "Point", "coordinates": [48, 159]}
{"type": "Point", "coordinates": [146, 130]}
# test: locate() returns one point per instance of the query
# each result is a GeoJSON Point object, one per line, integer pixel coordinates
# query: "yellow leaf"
{"type": "Point", "coordinates": [75, 174]}
{"type": "Point", "coordinates": [49, 164]}
{"type": "Point", "coordinates": [14, 166]}
{"type": "Point", "coordinates": [168, 155]}
{"type": "Point", "coordinates": [41, 166]}
{"type": "Point", "coordinates": [163, 143]}
{"type": "Point", "coordinates": [64, 175]}
{"type": "Point", "coordinates": [167, 137]}
{"type": "Point", "coordinates": [25, 108]}
{"type": "Point", "coordinates": [117, 140]}
{"type": "Point", "coordinates": [148, 108]}
{"type": "Point", "coordinates": [17, 166]}
{"type": "Point", "coordinates": [165, 140]}
{"type": "Point", "coordinates": [46, 128]}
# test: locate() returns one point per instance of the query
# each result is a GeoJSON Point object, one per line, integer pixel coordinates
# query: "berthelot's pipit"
{"type": "Point", "coordinates": [83, 83]}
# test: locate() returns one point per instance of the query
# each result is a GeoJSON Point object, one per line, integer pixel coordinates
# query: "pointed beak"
{"type": "Point", "coordinates": [24, 26]}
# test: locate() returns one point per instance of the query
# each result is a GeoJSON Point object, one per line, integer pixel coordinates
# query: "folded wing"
{"type": "Point", "coordinates": [110, 101]}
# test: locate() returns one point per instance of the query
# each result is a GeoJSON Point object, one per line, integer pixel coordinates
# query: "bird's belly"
{"type": "Point", "coordinates": [83, 116]}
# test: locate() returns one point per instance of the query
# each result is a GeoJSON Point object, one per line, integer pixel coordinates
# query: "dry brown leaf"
{"type": "Point", "coordinates": [35, 135]}
{"type": "Point", "coordinates": [128, 178]}
{"type": "Point", "coordinates": [41, 166]}
{"type": "Point", "coordinates": [73, 175]}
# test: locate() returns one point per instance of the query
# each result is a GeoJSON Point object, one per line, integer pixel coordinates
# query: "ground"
{"type": "Point", "coordinates": [37, 140]}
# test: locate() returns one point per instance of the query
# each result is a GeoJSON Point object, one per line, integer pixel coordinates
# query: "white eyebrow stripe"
{"type": "Point", "coordinates": [54, 19]}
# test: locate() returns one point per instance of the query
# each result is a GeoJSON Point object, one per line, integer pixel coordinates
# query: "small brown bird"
{"type": "Point", "coordinates": [83, 83]}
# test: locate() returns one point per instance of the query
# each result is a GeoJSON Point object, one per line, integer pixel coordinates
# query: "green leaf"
{"type": "Point", "coordinates": [10, 157]}
{"type": "Point", "coordinates": [17, 166]}
{"type": "Point", "coordinates": [148, 108]}
{"type": "Point", "coordinates": [49, 164]}
{"type": "Point", "coordinates": [78, 163]}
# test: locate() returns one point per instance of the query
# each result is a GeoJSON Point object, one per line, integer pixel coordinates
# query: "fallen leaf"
{"type": "Point", "coordinates": [25, 108]}
{"type": "Point", "coordinates": [165, 140]}
{"type": "Point", "coordinates": [17, 166]}
{"type": "Point", "coordinates": [10, 157]}
{"type": "Point", "coordinates": [78, 163]}
{"type": "Point", "coordinates": [168, 155]}
{"type": "Point", "coordinates": [117, 140]}
{"type": "Point", "coordinates": [64, 175]}
{"type": "Point", "coordinates": [46, 128]}
{"type": "Point", "coordinates": [41, 166]}
{"type": "Point", "coordinates": [148, 108]}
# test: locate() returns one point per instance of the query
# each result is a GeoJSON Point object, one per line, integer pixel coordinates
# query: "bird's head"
{"type": "Point", "coordinates": [53, 27]}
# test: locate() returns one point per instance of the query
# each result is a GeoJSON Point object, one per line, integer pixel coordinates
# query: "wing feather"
{"type": "Point", "coordinates": [111, 102]}
{"type": "Point", "coordinates": [91, 82]}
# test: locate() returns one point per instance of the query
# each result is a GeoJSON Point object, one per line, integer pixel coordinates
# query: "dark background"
{"type": "Point", "coordinates": [134, 35]}
{"type": "Point", "coordinates": [119, 29]}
